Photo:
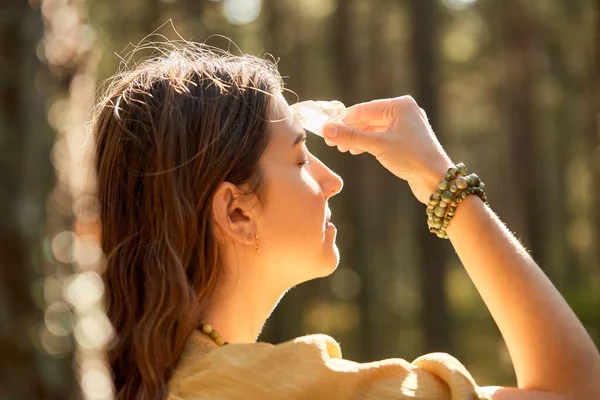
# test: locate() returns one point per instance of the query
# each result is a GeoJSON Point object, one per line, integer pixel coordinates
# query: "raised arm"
{"type": "Point", "coordinates": [550, 349]}
{"type": "Point", "coordinates": [553, 356]}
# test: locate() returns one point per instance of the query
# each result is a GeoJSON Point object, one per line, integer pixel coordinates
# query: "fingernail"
{"type": "Point", "coordinates": [331, 131]}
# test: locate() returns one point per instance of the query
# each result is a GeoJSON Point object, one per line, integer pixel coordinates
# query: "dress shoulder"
{"type": "Point", "coordinates": [312, 367]}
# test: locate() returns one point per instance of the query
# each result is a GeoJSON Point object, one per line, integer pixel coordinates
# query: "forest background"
{"type": "Point", "coordinates": [512, 88]}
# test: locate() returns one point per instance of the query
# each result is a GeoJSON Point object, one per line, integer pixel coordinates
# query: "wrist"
{"type": "Point", "coordinates": [452, 190]}
{"type": "Point", "coordinates": [466, 207]}
{"type": "Point", "coordinates": [430, 177]}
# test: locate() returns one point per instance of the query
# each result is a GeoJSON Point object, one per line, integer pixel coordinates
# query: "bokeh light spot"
{"type": "Point", "coordinates": [62, 246]}
{"type": "Point", "coordinates": [93, 331]}
{"type": "Point", "coordinates": [85, 290]}
{"type": "Point", "coordinates": [241, 12]}
{"type": "Point", "coordinates": [87, 251]}
{"type": "Point", "coordinates": [59, 318]}
{"type": "Point", "coordinates": [95, 382]}
{"type": "Point", "coordinates": [345, 284]}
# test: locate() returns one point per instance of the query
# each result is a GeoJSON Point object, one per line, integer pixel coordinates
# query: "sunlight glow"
{"type": "Point", "coordinates": [241, 12]}
{"type": "Point", "coordinates": [458, 4]}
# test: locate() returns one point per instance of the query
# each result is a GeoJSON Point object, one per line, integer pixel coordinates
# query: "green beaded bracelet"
{"type": "Point", "coordinates": [452, 209]}
{"type": "Point", "coordinates": [438, 202]}
{"type": "Point", "coordinates": [443, 203]}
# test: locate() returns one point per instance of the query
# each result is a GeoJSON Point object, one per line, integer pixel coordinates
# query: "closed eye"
{"type": "Point", "coordinates": [306, 159]}
{"type": "Point", "coordinates": [305, 163]}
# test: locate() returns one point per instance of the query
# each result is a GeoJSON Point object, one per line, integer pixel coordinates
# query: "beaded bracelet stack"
{"type": "Point", "coordinates": [452, 190]}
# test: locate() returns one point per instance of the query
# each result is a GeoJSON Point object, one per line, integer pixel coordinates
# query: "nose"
{"type": "Point", "coordinates": [331, 183]}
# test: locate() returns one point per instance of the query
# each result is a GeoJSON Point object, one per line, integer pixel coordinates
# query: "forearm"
{"type": "Point", "coordinates": [550, 349]}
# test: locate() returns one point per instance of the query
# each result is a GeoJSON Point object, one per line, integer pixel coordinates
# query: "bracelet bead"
{"type": "Point", "coordinates": [439, 211]}
{"type": "Point", "coordinates": [473, 180]}
{"type": "Point", "coordinates": [451, 191]}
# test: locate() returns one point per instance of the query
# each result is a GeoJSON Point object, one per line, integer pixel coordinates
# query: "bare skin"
{"type": "Point", "coordinates": [553, 356]}
{"type": "Point", "coordinates": [295, 243]}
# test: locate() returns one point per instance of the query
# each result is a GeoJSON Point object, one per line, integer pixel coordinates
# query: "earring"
{"type": "Point", "coordinates": [256, 243]}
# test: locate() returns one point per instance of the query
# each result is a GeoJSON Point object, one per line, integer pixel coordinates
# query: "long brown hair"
{"type": "Point", "coordinates": [168, 132]}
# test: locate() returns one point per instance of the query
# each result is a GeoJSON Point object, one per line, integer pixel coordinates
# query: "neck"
{"type": "Point", "coordinates": [239, 311]}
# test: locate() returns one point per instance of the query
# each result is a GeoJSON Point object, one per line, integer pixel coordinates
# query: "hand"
{"type": "Point", "coordinates": [397, 133]}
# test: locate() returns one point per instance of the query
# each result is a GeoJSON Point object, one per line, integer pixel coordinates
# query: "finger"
{"type": "Point", "coordinates": [425, 117]}
{"type": "Point", "coordinates": [378, 112]}
{"type": "Point", "coordinates": [369, 127]}
{"type": "Point", "coordinates": [375, 112]}
{"type": "Point", "coordinates": [356, 152]}
{"type": "Point", "coordinates": [329, 143]}
{"type": "Point", "coordinates": [342, 149]}
{"type": "Point", "coordinates": [350, 137]}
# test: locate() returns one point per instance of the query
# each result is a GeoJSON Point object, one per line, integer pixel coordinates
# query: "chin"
{"type": "Point", "coordinates": [331, 254]}
{"type": "Point", "coordinates": [325, 267]}
{"type": "Point", "coordinates": [330, 263]}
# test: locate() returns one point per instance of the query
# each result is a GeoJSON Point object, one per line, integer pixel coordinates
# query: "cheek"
{"type": "Point", "coordinates": [296, 208]}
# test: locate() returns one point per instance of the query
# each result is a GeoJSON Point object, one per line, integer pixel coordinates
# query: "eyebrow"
{"type": "Point", "coordinates": [300, 138]}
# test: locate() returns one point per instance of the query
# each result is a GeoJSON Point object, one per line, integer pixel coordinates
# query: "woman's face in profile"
{"type": "Point", "coordinates": [293, 229]}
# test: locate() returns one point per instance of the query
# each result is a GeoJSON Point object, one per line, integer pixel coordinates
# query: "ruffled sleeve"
{"type": "Point", "coordinates": [312, 367]}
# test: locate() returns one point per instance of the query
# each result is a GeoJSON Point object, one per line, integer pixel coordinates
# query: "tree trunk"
{"type": "Point", "coordinates": [153, 15]}
{"type": "Point", "coordinates": [435, 318]}
{"type": "Point", "coordinates": [380, 197]}
{"type": "Point", "coordinates": [594, 129]}
{"type": "Point", "coordinates": [525, 167]}
{"type": "Point", "coordinates": [27, 373]}
{"type": "Point", "coordinates": [360, 201]}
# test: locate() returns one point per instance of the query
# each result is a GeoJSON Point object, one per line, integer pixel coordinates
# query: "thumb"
{"type": "Point", "coordinates": [351, 137]}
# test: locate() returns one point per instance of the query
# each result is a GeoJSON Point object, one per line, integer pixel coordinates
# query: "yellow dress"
{"type": "Point", "coordinates": [311, 367]}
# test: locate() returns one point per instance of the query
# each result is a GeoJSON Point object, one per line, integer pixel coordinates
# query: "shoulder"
{"type": "Point", "coordinates": [251, 368]}
{"type": "Point", "coordinates": [312, 366]}
{"type": "Point", "coordinates": [316, 344]}
{"type": "Point", "coordinates": [310, 347]}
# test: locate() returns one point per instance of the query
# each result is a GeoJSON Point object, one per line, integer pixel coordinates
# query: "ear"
{"type": "Point", "coordinates": [232, 215]}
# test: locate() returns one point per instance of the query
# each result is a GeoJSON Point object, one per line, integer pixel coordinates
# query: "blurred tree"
{"type": "Point", "coordinates": [594, 119]}
{"type": "Point", "coordinates": [363, 194]}
{"type": "Point", "coordinates": [435, 319]}
{"type": "Point", "coordinates": [378, 198]}
{"type": "Point", "coordinates": [153, 15]}
{"type": "Point", "coordinates": [273, 13]}
{"type": "Point", "coordinates": [558, 104]}
{"type": "Point", "coordinates": [520, 63]}
{"type": "Point", "coordinates": [594, 139]}
{"type": "Point", "coordinates": [505, 65]}
{"type": "Point", "coordinates": [28, 176]}
{"type": "Point", "coordinates": [195, 8]}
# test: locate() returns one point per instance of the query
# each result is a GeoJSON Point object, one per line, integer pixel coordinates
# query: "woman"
{"type": "Point", "coordinates": [212, 208]}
